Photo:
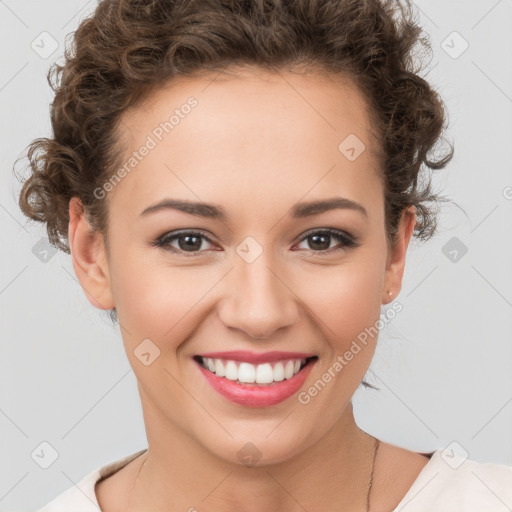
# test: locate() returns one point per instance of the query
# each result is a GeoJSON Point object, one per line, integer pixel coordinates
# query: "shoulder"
{"type": "Point", "coordinates": [451, 482]}
{"type": "Point", "coordinates": [81, 497]}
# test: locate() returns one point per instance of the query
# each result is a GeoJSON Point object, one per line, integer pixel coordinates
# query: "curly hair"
{"type": "Point", "coordinates": [128, 48]}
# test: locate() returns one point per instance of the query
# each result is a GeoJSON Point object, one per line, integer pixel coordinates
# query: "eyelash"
{"type": "Point", "coordinates": [348, 241]}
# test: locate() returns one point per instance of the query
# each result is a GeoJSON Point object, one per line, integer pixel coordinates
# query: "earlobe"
{"type": "Point", "coordinates": [89, 258]}
{"type": "Point", "coordinates": [395, 264]}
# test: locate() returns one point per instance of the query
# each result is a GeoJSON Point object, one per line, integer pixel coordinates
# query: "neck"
{"type": "Point", "coordinates": [177, 473]}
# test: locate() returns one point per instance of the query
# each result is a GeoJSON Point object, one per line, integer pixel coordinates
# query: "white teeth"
{"type": "Point", "coordinates": [279, 372]}
{"type": "Point", "coordinates": [264, 374]}
{"type": "Point", "coordinates": [231, 370]}
{"type": "Point", "coordinates": [288, 369]}
{"type": "Point", "coordinates": [219, 367]}
{"type": "Point", "coordinates": [247, 373]}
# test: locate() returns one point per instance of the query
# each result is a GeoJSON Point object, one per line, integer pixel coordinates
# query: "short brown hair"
{"type": "Point", "coordinates": [129, 47]}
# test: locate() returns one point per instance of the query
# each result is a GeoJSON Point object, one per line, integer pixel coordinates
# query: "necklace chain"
{"type": "Point", "coordinates": [370, 483]}
{"type": "Point", "coordinates": [375, 448]}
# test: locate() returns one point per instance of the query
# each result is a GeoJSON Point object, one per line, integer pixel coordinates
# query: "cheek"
{"type": "Point", "coordinates": [156, 300]}
{"type": "Point", "coordinates": [348, 299]}
{"type": "Point", "coordinates": [159, 301]}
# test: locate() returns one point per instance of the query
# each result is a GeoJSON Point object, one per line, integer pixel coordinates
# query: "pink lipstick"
{"type": "Point", "coordinates": [255, 380]}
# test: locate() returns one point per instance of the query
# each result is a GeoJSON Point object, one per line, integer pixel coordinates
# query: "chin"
{"type": "Point", "coordinates": [260, 449]}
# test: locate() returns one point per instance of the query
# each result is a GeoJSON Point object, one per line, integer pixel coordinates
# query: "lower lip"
{"type": "Point", "coordinates": [256, 396]}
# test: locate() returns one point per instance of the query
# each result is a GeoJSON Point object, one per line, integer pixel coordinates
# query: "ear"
{"type": "Point", "coordinates": [395, 264]}
{"type": "Point", "coordinates": [89, 258]}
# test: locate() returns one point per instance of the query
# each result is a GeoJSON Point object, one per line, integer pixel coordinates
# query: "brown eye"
{"type": "Point", "coordinates": [320, 240]}
{"type": "Point", "coordinates": [190, 243]}
{"type": "Point", "coordinates": [187, 242]}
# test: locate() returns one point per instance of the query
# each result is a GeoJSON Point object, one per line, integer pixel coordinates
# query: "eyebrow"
{"type": "Point", "coordinates": [216, 212]}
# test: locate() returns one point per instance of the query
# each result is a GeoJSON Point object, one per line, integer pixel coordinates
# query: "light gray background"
{"type": "Point", "coordinates": [444, 364]}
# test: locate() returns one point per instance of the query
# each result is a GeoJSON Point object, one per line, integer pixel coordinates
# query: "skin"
{"type": "Point", "coordinates": [272, 140]}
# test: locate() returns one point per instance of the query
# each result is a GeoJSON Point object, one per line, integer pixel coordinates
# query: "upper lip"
{"type": "Point", "coordinates": [255, 358]}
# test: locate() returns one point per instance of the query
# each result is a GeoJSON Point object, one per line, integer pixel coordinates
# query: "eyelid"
{"type": "Point", "coordinates": [331, 231]}
{"type": "Point", "coordinates": [347, 240]}
{"type": "Point", "coordinates": [163, 241]}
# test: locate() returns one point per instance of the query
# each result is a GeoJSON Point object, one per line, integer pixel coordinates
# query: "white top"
{"type": "Point", "coordinates": [448, 483]}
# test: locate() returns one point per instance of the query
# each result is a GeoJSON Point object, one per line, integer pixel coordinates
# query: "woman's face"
{"type": "Point", "coordinates": [262, 277]}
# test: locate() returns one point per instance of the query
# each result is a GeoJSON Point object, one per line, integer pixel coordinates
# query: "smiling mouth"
{"type": "Point", "coordinates": [263, 374]}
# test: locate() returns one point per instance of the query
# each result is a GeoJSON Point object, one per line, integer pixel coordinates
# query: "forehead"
{"type": "Point", "coordinates": [253, 132]}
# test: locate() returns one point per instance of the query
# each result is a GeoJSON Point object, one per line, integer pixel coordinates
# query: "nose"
{"type": "Point", "coordinates": [257, 299]}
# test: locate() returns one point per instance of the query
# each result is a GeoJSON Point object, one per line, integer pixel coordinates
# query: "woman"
{"type": "Point", "coordinates": [238, 183]}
